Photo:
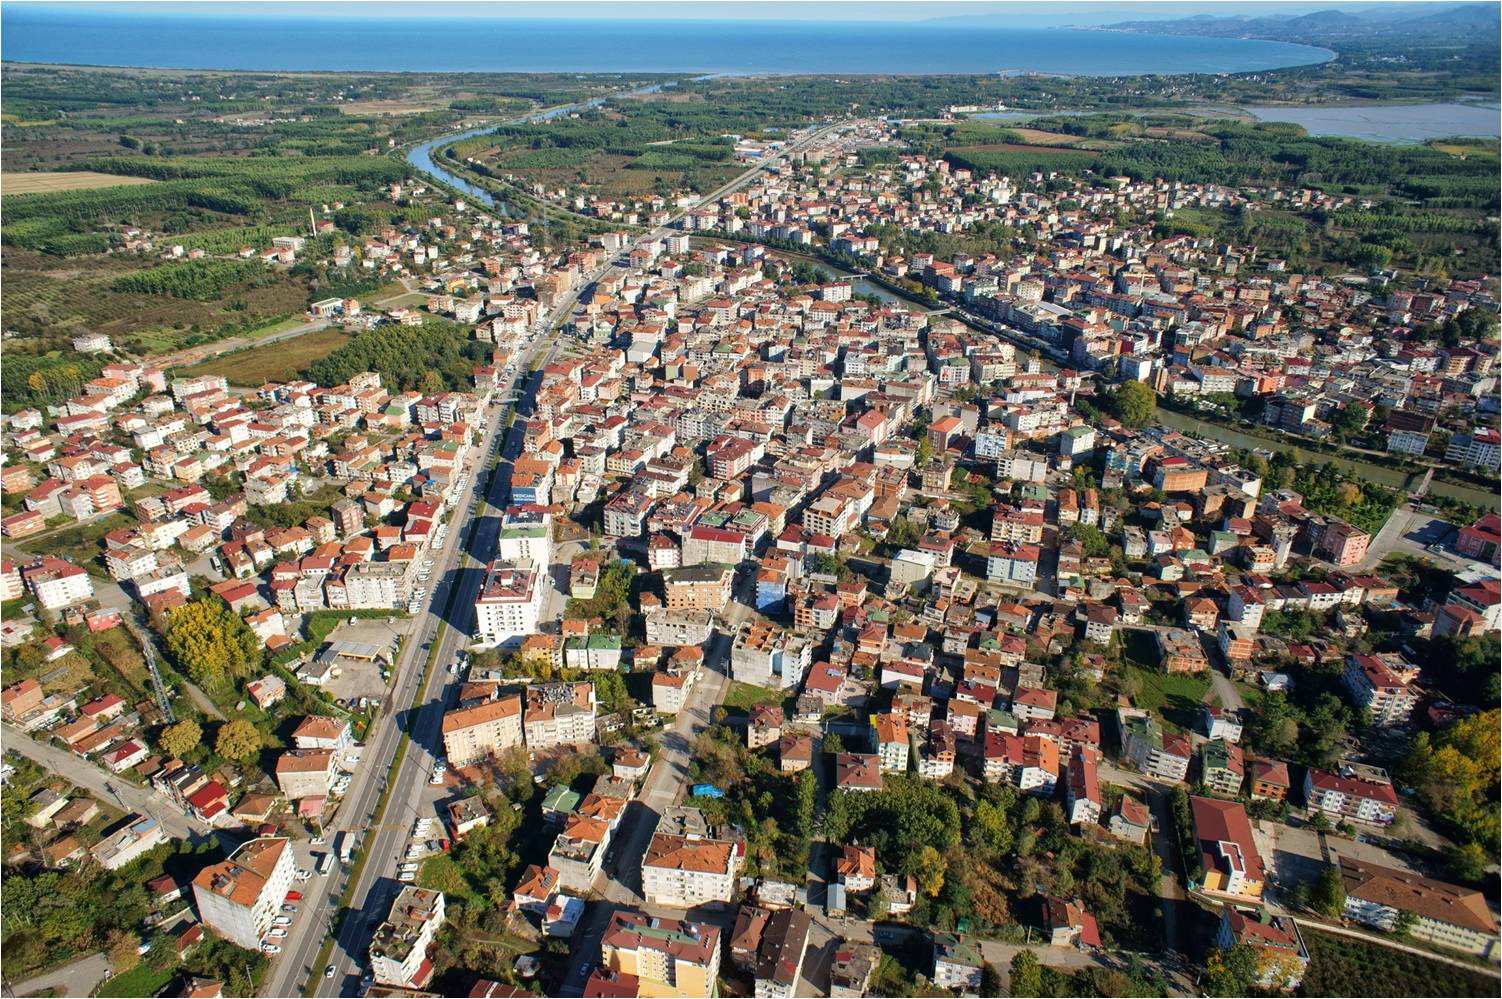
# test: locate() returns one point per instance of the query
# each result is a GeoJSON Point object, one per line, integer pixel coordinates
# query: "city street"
{"type": "Point", "coordinates": [107, 787]}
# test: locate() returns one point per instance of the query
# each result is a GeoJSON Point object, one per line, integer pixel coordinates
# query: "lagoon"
{"type": "Point", "coordinates": [1390, 122]}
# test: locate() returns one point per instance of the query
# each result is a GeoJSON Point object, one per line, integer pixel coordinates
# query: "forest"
{"type": "Point", "coordinates": [431, 358]}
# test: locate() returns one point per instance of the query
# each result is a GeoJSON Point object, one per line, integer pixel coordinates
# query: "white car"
{"type": "Point", "coordinates": [437, 777]}
{"type": "Point", "coordinates": [409, 868]}
{"type": "Point", "coordinates": [270, 948]}
{"type": "Point", "coordinates": [406, 877]}
{"type": "Point", "coordinates": [277, 932]}
{"type": "Point", "coordinates": [282, 921]}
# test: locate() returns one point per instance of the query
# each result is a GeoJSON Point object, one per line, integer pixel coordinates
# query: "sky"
{"type": "Point", "coordinates": [1029, 14]}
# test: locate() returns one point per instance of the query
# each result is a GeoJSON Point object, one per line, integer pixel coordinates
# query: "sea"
{"type": "Point", "coordinates": [174, 40]}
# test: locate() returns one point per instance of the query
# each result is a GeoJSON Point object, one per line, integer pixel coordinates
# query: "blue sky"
{"type": "Point", "coordinates": [1030, 14]}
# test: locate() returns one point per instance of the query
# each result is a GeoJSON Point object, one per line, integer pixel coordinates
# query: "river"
{"type": "Point", "coordinates": [421, 156]}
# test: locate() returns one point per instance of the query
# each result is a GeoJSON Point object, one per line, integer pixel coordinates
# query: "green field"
{"type": "Point", "coordinates": [1172, 697]}
{"type": "Point", "coordinates": [142, 980]}
{"type": "Point", "coordinates": [278, 361]}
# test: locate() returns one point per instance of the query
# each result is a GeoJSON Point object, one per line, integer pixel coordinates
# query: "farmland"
{"type": "Point", "coordinates": [73, 180]}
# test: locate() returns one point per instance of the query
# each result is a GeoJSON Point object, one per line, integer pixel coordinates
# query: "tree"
{"type": "Point", "coordinates": [237, 740]}
{"type": "Point", "coordinates": [1027, 977]}
{"type": "Point", "coordinates": [878, 906]}
{"type": "Point", "coordinates": [180, 739]}
{"type": "Point", "coordinates": [1328, 896]}
{"type": "Point", "coordinates": [1231, 972]}
{"type": "Point", "coordinates": [211, 644]}
{"type": "Point", "coordinates": [1348, 494]}
{"type": "Point", "coordinates": [833, 743]}
{"type": "Point", "coordinates": [122, 950]}
{"type": "Point", "coordinates": [1134, 404]}
{"type": "Point", "coordinates": [431, 383]}
{"type": "Point", "coordinates": [1350, 419]}
{"type": "Point", "coordinates": [930, 872]}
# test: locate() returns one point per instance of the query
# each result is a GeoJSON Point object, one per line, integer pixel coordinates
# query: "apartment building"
{"type": "Point", "coordinates": [1228, 854]}
{"type": "Point", "coordinates": [1443, 914]}
{"type": "Point", "coordinates": [768, 656]}
{"type": "Point", "coordinates": [559, 714]}
{"type": "Point", "coordinates": [669, 958]}
{"type": "Point", "coordinates": [239, 897]}
{"type": "Point", "coordinates": [399, 951]}
{"type": "Point", "coordinates": [705, 586]}
{"type": "Point", "coordinates": [509, 603]}
{"type": "Point", "coordinates": [687, 871]}
{"type": "Point", "coordinates": [1387, 697]}
{"type": "Point", "coordinates": [1350, 795]}
{"type": "Point", "coordinates": [483, 730]}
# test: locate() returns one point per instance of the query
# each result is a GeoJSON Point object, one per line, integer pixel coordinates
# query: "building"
{"type": "Point", "coordinates": [1350, 795]}
{"type": "Point", "coordinates": [509, 602]}
{"type": "Point", "coordinates": [1082, 791]}
{"type": "Point", "coordinates": [768, 656]}
{"type": "Point", "coordinates": [779, 958]}
{"type": "Point", "coordinates": [685, 871]}
{"type": "Point", "coordinates": [473, 733]}
{"type": "Point", "coordinates": [957, 963]}
{"type": "Point", "coordinates": [668, 958]}
{"type": "Point", "coordinates": [1227, 853]}
{"type": "Point", "coordinates": [305, 773]}
{"type": "Point", "coordinates": [138, 835]}
{"type": "Point", "coordinates": [1441, 913]}
{"type": "Point", "coordinates": [559, 714]}
{"type": "Point", "coordinates": [1222, 767]}
{"type": "Point", "coordinates": [1385, 695]}
{"type": "Point", "coordinates": [239, 897]}
{"type": "Point", "coordinates": [705, 586]}
{"type": "Point", "coordinates": [57, 583]}
{"type": "Point", "coordinates": [399, 950]}
{"type": "Point", "coordinates": [1147, 748]}
{"type": "Point", "coordinates": [1281, 957]}
{"type": "Point", "coordinates": [851, 969]}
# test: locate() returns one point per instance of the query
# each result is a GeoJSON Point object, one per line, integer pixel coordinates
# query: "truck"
{"type": "Point", "coordinates": [346, 846]}
{"type": "Point", "coordinates": [325, 863]}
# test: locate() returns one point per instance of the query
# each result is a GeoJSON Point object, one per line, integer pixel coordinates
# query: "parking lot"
{"type": "Point", "coordinates": [1293, 853]}
{"type": "Point", "coordinates": [360, 677]}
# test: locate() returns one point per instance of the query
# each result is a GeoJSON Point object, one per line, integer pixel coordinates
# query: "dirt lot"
{"type": "Point", "coordinates": [358, 678]}
{"type": "Point", "coordinates": [68, 180]}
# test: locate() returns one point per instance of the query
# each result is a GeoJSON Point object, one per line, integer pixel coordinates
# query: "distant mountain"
{"type": "Point", "coordinates": [1463, 24]}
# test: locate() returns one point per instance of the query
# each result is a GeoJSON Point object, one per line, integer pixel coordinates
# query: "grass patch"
{"type": "Point", "coordinates": [142, 980]}
{"type": "Point", "coordinates": [1174, 698]}
{"type": "Point", "coordinates": [79, 542]}
{"type": "Point", "coordinates": [745, 696]}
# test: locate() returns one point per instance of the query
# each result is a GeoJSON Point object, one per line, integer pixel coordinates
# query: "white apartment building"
{"type": "Point", "coordinates": [472, 733]}
{"type": "Point", "coordinates": [239, 897]}
{"type": "Point", "coordinates": [509, 603]}
{"type": "Point", "coordinates": [684, 871]}
{"type": "Point", "coordinates": [399, 949]}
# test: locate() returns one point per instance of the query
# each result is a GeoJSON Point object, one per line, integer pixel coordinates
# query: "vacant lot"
{"type": "Point", "coordinates": [68, 180]}
{"type": "Point", "coordinates": [277, 361]}
{"type": "Point", "coordinates": [1017, 147]}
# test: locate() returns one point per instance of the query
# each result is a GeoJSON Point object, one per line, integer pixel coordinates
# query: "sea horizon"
{"type": "Point", "coordinates": [397, 43]}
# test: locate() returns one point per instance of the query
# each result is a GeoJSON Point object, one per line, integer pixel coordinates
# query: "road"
{"type": "Point", "coordinates": [106, 786]}
{"type": "Point", "coordinates": [291, 967]}
{"type": "Point", "coordinates": [76, 978]}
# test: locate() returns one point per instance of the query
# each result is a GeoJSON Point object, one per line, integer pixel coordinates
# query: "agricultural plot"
{"type": "Point", "coordinates": [69, 180]}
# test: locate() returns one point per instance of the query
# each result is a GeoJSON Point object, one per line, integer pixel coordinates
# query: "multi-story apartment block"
{"type": "Point", "coordinates": [238, 898]}
{"type": "Point", "coordinates": [473, 733]}
{"type": "Point", "coordinates": [684, 872]}
{"type": "Point", "coordinates": [509, 602]}
{"type": "Point", "coordinates": [400, 949]}
{"type": "Point", "coordinates": [675, 959]}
